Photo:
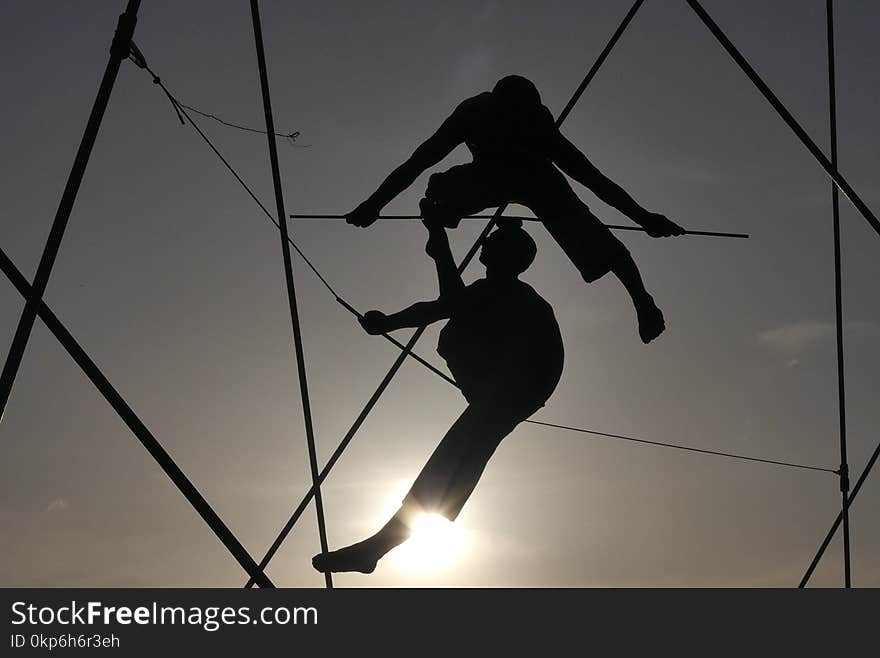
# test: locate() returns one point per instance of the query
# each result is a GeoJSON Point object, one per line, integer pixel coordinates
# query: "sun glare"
{"type": "Point", "coordinates": [436, 544]}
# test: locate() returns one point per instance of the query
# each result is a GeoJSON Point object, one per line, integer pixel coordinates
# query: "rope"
{"type": "Point", "coordinates": [181, 109]}
{"type": "Point", "coordinates": [622, 437]}
{"type": "Point", "coordinates": [136, 56]}
{"type": "Point", "coordinates": [682, 447]}
{"type": "Point", "coordinates": [289, 137]}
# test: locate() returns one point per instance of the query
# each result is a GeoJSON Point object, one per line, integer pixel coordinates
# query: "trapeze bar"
{"type": "Point", "coordinates": [524, 218]}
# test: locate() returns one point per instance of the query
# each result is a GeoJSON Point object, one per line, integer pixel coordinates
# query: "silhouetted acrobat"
{"type": "Point", "coordinates": [515, 145]}
{"type": "Point", "coordinates": [502, 345]}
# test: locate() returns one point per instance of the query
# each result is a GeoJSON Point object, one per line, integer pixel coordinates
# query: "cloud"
{"type": "Point", "coordinates": [797, 337]}
{"type": "Point", "coordinates": [58, 505]}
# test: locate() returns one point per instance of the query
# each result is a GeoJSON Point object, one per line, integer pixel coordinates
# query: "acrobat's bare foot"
{"type": "Point", "coordinates": [651, 322]}
{"type": "Point", "coordinates": [357, 557]}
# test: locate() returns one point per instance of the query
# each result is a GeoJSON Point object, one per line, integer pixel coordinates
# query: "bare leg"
{"type": "Point", "coordinates": [595, 252]}
{"type": "Point", "coordinates": [592, 248]}
{"type": "Point", "coordinates": [443, 486]}
{"type": "Point", "coordinates": [651, 322]}
{"type": "Point", "coordinates": [364, 555]}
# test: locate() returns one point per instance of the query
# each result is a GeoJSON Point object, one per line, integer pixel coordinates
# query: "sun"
{"type": "Point", "coordinates": [436, 544]}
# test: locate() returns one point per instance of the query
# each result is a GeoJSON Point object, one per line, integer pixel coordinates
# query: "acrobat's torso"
{"type": "Point", "coordinates": [503, 135]}
{"type": "Point", "coordinates": [503, 344]}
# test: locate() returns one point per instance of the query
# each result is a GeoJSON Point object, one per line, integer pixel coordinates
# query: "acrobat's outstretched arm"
{"type": "Point", "coordinates": [574, 163]}
{"type": "Point", "coordinates": [417, 315]}
{"type": "Point", "coordinates": [429, 153]}
{"type": "Point", "coordinates": [422, 313]}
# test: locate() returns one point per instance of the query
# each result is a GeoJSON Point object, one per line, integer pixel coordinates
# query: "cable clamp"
{"type": "Point", "coordinates": [121, 45]}
{"type": "Point", "coordinates": [843, 472]}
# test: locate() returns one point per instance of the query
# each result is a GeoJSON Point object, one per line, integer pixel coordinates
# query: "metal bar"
{"type": "Point", "coordinates": [128, 416]}
{"type": "Point", "coordinates": [839, 519]}
{"type": "Point", "coordinates": [838, 298]}
{"type": "Point", "coordinates": [288, 275]}
{"type": "Point", "coordinates": [418, 333]}
{"type": "Point", "coordinates": [781, 110]}
{"type": "Point", "coordinates": [343, 444]}
{"type": "Point", "coordinates": [119, 50]}
{"type": "Point", "coordinates": [526, 218]}
{"type": "Point", "coordinates": [600, 60]}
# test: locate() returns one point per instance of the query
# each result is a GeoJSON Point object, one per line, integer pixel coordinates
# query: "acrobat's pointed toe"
{"type": "Point", "coordinates": [351, 558]}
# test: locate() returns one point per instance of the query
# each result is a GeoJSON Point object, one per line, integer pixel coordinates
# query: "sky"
{"type": "Point", "coordinates": [172, 280]}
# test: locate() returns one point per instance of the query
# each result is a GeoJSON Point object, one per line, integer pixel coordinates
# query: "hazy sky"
{"type": "Point", "coordinates": [172, 280]}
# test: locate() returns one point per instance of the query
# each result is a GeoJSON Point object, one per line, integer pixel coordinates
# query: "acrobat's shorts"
{"type": "Point", "coordinates": [541, 187]}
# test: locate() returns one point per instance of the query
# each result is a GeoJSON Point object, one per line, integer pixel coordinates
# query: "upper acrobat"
{"type": "Point", "coordinates": [519, 156]}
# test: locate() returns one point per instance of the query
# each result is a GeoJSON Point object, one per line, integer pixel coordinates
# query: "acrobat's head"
{"type": "Point", "coordinates": [517, 91]}
{"type": "Point", "coordinates": [508, 251]}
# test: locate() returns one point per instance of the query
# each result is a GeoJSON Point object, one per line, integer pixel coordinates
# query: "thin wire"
{"type": "Point", "coordinates": [682, 447]}
{"type": "Point", "coordinates": [180, 108]}
{"type": "Point", "coordinates": [291, 137]}
{"type": "Point", "coordinates": [621, 437]}
{"type": "Point", "coordinates": [136, 56]}
{"type": "Point", "coordinates": [608, 435]}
